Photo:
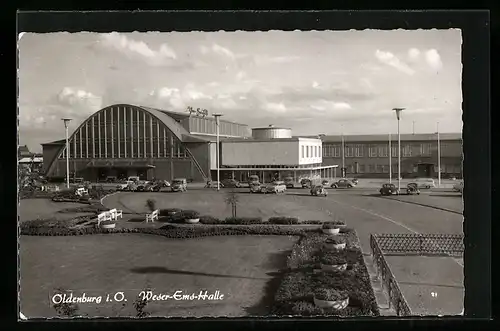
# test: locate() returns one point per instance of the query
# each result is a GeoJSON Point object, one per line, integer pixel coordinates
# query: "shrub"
{"type": "Point", "coordinates": [205, 219]}
{"type": "Point", "coordinates": [305, 308]}
{"type": "Point", "coordinates": [283, 220]}
{"type": "Point", "coordinates": [170, 211]}
{"type": "Point", "coordinates": [336, 222]}
{"type": "Point", "coordinates": [313, 222]}
{"type": "Point", "coordinates": [330, 226]}
{"type": "Point", "coordinates": [190, 214]}
{"type": "Point", "coordinates": [151, 204]}
{"type": "Point", "coordinates": [337, 240]}
{"type": "Point", "coordinates": [107, 222]}
{"type": "Point", "coordinates": [330, 294]}
{"type": "Point", "coordinates": [333, 259]}
{"type": "Point", "coordinates": [243, 220]}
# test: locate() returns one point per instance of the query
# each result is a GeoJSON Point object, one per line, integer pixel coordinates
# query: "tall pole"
{"type": "Point", "coordinates": [342, 171]}
{"type": "Point", "coordinates": [217, 149]}
{"type": "Point", "coordinates": [66, 123]}
{"type": "Point", "coordinates": [398, 116]}
{"type": "Point", "coordinates": [390, 159]}
{"type": "Point", "coordinates": [439, 156]}
{"type": "Point", "coordinates": [413, 127]}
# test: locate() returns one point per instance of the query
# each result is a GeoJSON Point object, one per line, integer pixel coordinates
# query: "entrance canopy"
{"type": "Point", "coordinates": [119, 164]}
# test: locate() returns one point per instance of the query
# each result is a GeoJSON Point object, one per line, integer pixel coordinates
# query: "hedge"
{"type": "Point", "coordinates": [296, 292]}
{"type": "Point", "coordinates": [168, 231]}
{"type": "Point", "coordinates": [243, 220]}
{"type": "Point", "coordinates": [283, 220]}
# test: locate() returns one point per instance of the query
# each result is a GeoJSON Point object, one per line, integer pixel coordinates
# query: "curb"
{"type": "Point", "coordinates": [424, 205]}
{"type": "Point", "coordinates": [104, 197]}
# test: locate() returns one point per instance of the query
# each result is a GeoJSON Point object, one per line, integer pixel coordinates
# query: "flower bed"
{"type": "Point", "coordinates": [283, 220]}
{"type": "Point", "coordinates": [243, 220]}
{"type": "Point", "coordinates": [296, 294]}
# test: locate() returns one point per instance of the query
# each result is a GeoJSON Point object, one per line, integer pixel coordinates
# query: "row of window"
{"type": "Point", "coordinates": [208, 126]}
{"type": "Point", "coordinates": [374, 150]}
{"type": "Point", "coordinates": [310, 151]}
{"type": "Point", "coordinates": [384, 168]}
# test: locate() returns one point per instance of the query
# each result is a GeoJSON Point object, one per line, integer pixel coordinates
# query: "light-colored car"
{"type": "Point", "coordinates": [133, 179]}
{"type": "Point", "coordinates": [276, 187]}
{"type": "Point", "coordinates": [289, 182]}
{"type": "Point", "coordinates": [459, 187]}
{"type": "Point", "coordinates": [425, 183]}
{"type": "Point", "coordinates": [343, 183]}
{"type": "Point", "coordinates": [123, 186]}
{"type": "Point", "coordinates": [319, 190]}
{"type": "Point", "coordinates": [179, 185]}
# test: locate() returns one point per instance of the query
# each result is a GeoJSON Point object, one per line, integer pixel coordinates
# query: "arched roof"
{"type": "Point", "coordinates": [175, 127]}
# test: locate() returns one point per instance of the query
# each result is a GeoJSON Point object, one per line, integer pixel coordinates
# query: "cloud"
{"type": "Point", "coordinates": [218, 50]}
{"type": "Point", "coordinates": [413, 54]}
{"type": "Point", "coordinates": [241, 75]}
{"type": "Point", "coordinates": [391, 60]}
{"type": "Point", "coordinates": [79, 99]}
{"type": "Point", "coordinates": [275, 59]}
{"type": "Point", "coordinates": [275, 107]}
{"type": "Point", "coordinates": [132, 47]}
{"type": "Point", "coordinates": [324, 105]}
{"type": "Point", "coordinates": [433, 59]}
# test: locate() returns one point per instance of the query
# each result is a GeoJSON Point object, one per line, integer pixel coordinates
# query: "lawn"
{"type": "Point", "coordinates": [241, 268]}
{"type": "Point", "coordinates": [31, 209]}
{"type": "Point", "coordinates": [209, 202]}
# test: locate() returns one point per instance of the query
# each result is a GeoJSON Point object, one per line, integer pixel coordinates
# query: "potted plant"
{"type": "Point", "coordinates": [331, 262]}
{"type": "Point", "coordinates": [331, 298]}
{"type": "Point", "coordinates": [191, 216]}
{"type": "Point", "coordinates": [330, 228]}
{"type": "Point", "coordinates": [108, 224]}
{"type": "Point", "coordinates": [337, 243]}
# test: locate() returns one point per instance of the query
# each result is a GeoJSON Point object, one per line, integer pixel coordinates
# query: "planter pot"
{"type": "Point", "coordinates": [334, 246]}
{"type": "Point", "coordinates": [192, 220]}
{"type": "Point", "coordinates": [331, 231]}
{"type": "Point", "coordinates": [339, 304]}
{"type": "Point", "coordinates": [334, 267]}
{"type": "Point", "coordinates": [108, 226]}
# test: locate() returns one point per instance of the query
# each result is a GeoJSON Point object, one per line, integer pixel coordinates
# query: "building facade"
{"type": "Point", "coordinates": [126, 140]}
{"type": "Point", "coordinates": [370, 155]}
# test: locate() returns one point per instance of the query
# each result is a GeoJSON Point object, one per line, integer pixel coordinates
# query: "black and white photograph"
{"type": "Point", "coordinates": [240, 174]}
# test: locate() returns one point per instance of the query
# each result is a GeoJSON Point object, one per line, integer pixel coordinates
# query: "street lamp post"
{"type": "Point", "coordinates": [439, 156]}
{"type": "Point", "coordinates": [342, 171]}
{"type": "Point", "coordinates": [66, 123]}
{"type": "Point", "coordinates": [217, 116]}
{"type": "Point", "coordinates": [390, 159]}
{"type": "Point", "coordinates": [398, 116]}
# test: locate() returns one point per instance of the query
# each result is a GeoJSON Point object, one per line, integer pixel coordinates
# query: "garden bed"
{"type": "Point", "coordinates": [295, 295]}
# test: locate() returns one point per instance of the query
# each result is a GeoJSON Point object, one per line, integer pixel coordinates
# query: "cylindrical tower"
{"type": "Point", "coordinates": [271, 132]}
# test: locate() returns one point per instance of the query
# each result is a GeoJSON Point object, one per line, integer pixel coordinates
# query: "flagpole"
{"type": "Point", "coordinates": [390, 160]}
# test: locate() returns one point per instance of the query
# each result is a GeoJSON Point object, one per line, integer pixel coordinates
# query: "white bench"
{"type": "Point", "coordinates": [153, 216]}
{"type": "Point", "coordinates": [81, 191]}
{"type": "Point", "coordinates": [104, 216]}
{"type": "Point", "coordinates": [115, 213]}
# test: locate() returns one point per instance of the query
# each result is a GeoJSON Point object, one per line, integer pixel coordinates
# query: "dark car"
{"type": "Point", "coordinates": [253, 179]}
{"type": "Point", "coordinates": [306, 183]}
{"type": "Point", "coordinates": [141, 186]}
{"type": "Point", "coordinates": [343, 183]}
{"type": "Point", "coordinates": [412, 188]}
{"type": "Point", "coordinates": [319, 190]}
{"type": "Point", "coordinates": [231, 183]}
{"type": "Point", "coordinates": [111, 179]}
{"type": "Point", "coordinates": [388, 189]}
{"type": "Point", "coordinates": [256, 187]}
{"type": "Point", "coordinates": [289, 182]}
{"type": "Point", "coordinates": [153, 187]}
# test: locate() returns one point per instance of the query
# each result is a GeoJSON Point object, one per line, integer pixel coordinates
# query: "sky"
{"type": "Point", "coordinates": [314, 82]}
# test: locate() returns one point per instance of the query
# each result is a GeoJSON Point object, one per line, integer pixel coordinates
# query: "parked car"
{"type": "Point", "coordinates": [412, 188]}
{"type": "Point", "coordinates": [231, 183]}
{"type": "Point", "coordinates": [153, 187]}
{"type": "Point", "coordinates": [276, 187]}
{"type": "Point", "coordinates": [132, 187]}
{"type": "Point", "coordinates": [388, 189]}
{"type": "Point", "coordinates": [319, 190]}
{"type": "Point", "coordinates": [141, 186]}
{"type": "Point", "coordinates": [253, 179]}
{"type": "Point", "coordinates": [123, 186]}
{"type": "Point", "coordinates": [111, 179]}
{"type": "Point", "coordinates": [343, 183]}
{"type": "Point", "coordinates": [133, 178]}
{"type": "Point", "coordinates": [257, 187]}
{"type": "Point", "coordinates": [459, 187]}
{"type": "Point", "coordinates": [425, 183]}
{"type": "Point", "coordinates": [289, 182]}
{"type": "Point", "coordinates": [179, 185]}
{"type": "Point", "coordinates": [306, 183]}
{"type": "Point", "coordinates": [213, 184]}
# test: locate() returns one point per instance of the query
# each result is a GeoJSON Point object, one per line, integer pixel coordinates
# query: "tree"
{"type": "Point", "coordinates": [232, 199]}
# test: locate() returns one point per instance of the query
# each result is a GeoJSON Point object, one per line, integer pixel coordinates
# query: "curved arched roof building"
{"type": "Point", "coordinates": [127, 140]}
